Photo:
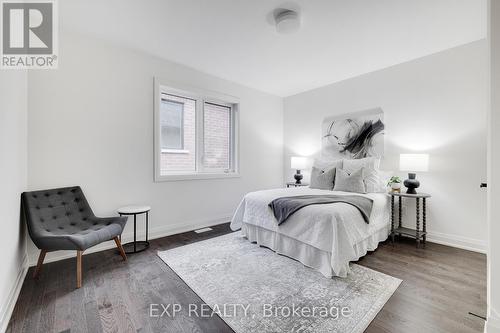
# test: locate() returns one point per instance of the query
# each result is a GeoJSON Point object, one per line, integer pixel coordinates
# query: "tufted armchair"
{"type": "Point", "coordinates": [61, 219]}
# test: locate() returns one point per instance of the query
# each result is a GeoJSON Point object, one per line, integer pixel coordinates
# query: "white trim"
{"type": "Point", "coordinates": [7, 308]}
{"type": "Point", "coordinates": [460, 242]}
{"type": "Point", "coordinates": [154, 233]}
{"type": "Point", "coordinates": [492, 325]}
{"type": "Point", "coordinates": [197, 176]}
{"type": "Point", "coordinates": [163, 231]}
{"type": "Point", "coordinates": [156, 131]}
{"type": "Point", "coordinates": [194, 92]}
{"type": "Point", "coordinates": [174, 151]}
{"type": "Point", "coordinates": [199, 136]}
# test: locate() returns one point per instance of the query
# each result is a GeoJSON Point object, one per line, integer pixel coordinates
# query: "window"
{"type": "Point", "coordinates": [195, 134]}
{"type": "Point", "coordinates": [172, 124]}
{"type": "Point", "coordinates": [178, 133]}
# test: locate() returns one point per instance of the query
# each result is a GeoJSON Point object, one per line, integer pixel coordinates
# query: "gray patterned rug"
{"type": "Point", "coordinates": [254, 289]}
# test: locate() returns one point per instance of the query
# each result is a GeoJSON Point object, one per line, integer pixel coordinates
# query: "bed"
{"type": "Point", "coordinates": [324, 237]}
{"type": "Point", "coordinates": [328, 236]}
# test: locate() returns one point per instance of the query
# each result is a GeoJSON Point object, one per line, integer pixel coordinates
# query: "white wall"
{"type": "Point", "coordinates": [13, 150]}
{"type": "Point", "coordinates": [436, 104]}
{"type": "Point", "coordinates": [493, 323]}
{"type": "Point", "coordinates": [91, 123]}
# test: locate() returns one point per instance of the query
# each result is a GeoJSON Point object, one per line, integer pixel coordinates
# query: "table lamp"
{"type": "Point", "coordinates": [298, 163]}
{"type": "Point", "coordinates": [413, 163]}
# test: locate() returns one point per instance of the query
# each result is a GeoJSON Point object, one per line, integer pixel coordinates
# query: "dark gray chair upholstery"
{"type": "Point", "coordinates": [61, 219]}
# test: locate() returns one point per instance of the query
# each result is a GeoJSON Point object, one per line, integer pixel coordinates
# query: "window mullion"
{"type": "Point", "coordinates": [231, 140]}
{"type": "Point", "coordinates": [199, 134]}
{"type": "Point", "coordinates": [235, 139]}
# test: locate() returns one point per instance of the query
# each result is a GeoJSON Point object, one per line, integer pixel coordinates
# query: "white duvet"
{"type": "Point", "coordinates": [337, 228]}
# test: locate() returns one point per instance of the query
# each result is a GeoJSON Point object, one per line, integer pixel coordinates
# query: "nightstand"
{"type": "Point", "coordinates": [400, 230]}
{"type": "Point", "coordinates": [293, 184]}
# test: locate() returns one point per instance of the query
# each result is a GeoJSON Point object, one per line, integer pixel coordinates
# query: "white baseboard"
{"type": "Point", "coordinates": [154, 233]}
{"type": "Point", "coordinates": [163, 231]}
{"type": "Point", "coordinates": [7, 308]}
{"type": "Point", "coordinates": [460, 242]}
{"type": "Point", "coordinates": [492, 325]}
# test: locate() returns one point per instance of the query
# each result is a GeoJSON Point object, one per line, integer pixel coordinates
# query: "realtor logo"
{"type": "Point", "coordinates": [29, 34]}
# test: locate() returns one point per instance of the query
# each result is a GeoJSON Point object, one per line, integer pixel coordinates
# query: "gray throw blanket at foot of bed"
{"type": "Point", "coordinates": [284, 207]}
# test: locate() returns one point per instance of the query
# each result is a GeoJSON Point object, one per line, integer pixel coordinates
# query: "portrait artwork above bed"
{"type": "Point", "coordinates": [354, 135]}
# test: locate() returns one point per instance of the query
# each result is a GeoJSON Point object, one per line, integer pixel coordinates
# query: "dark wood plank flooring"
{"type": "Point", "coordinates": [440, 286]}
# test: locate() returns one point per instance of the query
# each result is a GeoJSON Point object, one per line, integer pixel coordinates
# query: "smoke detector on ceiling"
{"type": "Point", "coordinates": [286, 20]}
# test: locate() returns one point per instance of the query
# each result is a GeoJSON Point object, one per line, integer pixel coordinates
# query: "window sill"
{"type": "Point", "coordinates": [195, 176]}
{"type": "Point", "coordinates": [174, 151]}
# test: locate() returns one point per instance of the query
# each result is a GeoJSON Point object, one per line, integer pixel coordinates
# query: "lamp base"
{"type": "Point", "coordinates": [298, 177]}
{"type": "Point", "coordinates": [411, 183]}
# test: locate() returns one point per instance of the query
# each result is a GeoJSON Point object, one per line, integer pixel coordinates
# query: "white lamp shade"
{"type": "Point", "coordinates": [298, 163]}
{"type": "Point", "coordinates": [414, 162]}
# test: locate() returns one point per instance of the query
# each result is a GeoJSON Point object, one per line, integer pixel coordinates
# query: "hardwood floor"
{"type": "Point", "coordinates": [440, 286]}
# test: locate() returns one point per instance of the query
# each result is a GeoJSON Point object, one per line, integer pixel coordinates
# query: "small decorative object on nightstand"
{"type": "Point", "coordinates": [298, 163]}
{"type": "Point", "coordinates": [294, 184]}
{"type": "Point", "coordinates": [413, 162]}
{"type": "Point", "coordinates": [400, 230]}
{"type": "Point", "coordinates": [395, 184]}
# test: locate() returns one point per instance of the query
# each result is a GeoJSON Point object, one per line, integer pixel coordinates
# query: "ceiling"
{"type": "Point", "coordinates": [235, 40]}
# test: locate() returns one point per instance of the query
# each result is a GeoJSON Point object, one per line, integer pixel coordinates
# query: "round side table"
{"type": "Point", "coordinates": [136, 246]}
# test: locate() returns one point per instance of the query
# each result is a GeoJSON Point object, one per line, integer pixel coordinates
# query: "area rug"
{"type": "Point", "coordinates": [254, 289]}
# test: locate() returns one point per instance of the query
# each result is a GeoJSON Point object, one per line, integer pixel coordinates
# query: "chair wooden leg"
{"type": "Point", "coordinates": [79, 268]}
{"type": "Point", "coordinates": [120, 248]}
{"type": "Point", "coordinates": [39, 264]}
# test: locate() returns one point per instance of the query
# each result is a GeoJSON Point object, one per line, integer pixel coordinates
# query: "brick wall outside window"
{"type": "Point", "coordinates": [183, 161]}
{"type": "Point", "coordinates": [216, 121]}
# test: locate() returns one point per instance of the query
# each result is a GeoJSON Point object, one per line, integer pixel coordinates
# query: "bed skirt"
{"type": "Point", "coordinates": [307, 254]}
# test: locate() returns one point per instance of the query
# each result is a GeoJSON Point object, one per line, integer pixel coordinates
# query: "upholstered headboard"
{"type": "Point", "coordinates": [354, 135]}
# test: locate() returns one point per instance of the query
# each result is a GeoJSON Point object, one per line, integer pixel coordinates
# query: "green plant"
{"type": "Point", "coordinates": [394, 179]}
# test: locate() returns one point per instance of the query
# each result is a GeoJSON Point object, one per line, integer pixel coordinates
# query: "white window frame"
{"type": "Point", "coordinates": [201, 96]}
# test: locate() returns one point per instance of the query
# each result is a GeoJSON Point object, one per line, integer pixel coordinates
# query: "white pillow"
{"type": "Point", "coordinates": [371, 175]}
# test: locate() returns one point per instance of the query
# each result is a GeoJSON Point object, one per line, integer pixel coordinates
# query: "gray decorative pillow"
{"type": "Point", "coordinates": [350, 182]}
{"type": "Point", "coordinates": [321, 179]}
{"type": "Point", "coordinates": [370, 174]}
